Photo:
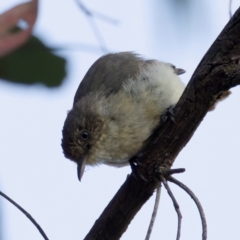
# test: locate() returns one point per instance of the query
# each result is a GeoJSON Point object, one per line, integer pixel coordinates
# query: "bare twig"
{"type": "Point", "coordinates": [74, 47]}
{"type": "Point", "coordinates": [98, 35]}
{"type": "Point", "coordinates": [26, 214]}
{"type": "Point", "coordinates": [176, 206]}
{"type": "Point", "coordinates": [173, 171]}
{"type": "Point", "coordinates": [90, 15]}
{"type": "Point", "coordinates": [105, 18]}
{"type": "Point", "coordinates": [230, 8]}
{"type": "Point", "coordinates": [96, 14]}
{"type": "Point", "coordinates": [154, 214]}
{"type": "Point", "coordinates": [197, 202]}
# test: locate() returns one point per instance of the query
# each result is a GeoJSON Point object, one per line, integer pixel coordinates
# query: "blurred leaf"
{"type": "Point", "coordinates": [25, 12]}
{"type": "Point", "coordinates": [33, 63]}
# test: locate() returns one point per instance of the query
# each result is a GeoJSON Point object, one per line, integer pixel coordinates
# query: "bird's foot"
{"type": "Point", "coordinates": [169, 114]}
{"type": "Point", "coordinates": [134, 163]}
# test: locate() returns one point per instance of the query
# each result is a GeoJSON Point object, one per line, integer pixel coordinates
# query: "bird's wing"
{"type": "Point", "coordinates": [109, 72]}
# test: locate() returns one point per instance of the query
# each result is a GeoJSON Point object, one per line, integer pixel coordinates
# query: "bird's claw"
{"type": "Point", "coordinates": [169, 114]}
{"type": "Point", "coordinates": [135, 172]}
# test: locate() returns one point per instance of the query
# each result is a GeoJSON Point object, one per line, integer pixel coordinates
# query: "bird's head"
{"type": "Point", "coordinates": [80, 132]}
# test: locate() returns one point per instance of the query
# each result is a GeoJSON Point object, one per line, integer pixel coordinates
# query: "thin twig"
{"type": "Point", "coordinates": [197, 202]}
{"type": "Point", "coordinates": [94, 27]}
{"type": "Point", "coordinates": [154, 214]}
{"type": "Point", "coordinates": [96, 14]}
{"type": "Point", "coordinates": [67, 47]}
{"type": "Point", "coordinates": [174, 171]}
{"type": "Point", "coordinates": [230, 8]}
{"type": "Point", "coordinates": [26, 214]}
{"type": "Point", "coordinates": [176, 206]}
{"type": "Point", "coordinates": [98, 35]}
{"type": "Point", "coordinates": [105, 18]}
{"type": "Point", "coordinates": [83, 8]}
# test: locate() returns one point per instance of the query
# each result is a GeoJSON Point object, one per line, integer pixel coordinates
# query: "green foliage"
{"type": "Point", "coordinates": [33, 63]}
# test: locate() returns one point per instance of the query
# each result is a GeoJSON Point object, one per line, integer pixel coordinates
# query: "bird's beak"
{"type": "Point", "coordinates": [179, 71]}
{"type": "Point", "coordinates": [80, 168]}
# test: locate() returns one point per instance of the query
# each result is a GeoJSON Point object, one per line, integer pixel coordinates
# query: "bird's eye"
{"type": "Point", "coordinates": [84, 135]}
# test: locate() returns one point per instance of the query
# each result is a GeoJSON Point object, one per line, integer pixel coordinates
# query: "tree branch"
{"type": "Point", "coordinates": [218, 71]}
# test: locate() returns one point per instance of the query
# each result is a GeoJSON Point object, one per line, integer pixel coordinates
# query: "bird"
{"type": "Point", "coordinates": [117, 107]}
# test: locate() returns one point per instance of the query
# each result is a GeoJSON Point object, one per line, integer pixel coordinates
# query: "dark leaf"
{"type": "Point", "coordinates": [33, 63]}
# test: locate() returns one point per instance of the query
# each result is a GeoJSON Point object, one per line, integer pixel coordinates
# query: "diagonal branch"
{"type": "Point", "coordinates": [218, 71]}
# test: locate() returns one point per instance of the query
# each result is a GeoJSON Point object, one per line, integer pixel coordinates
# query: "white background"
{"type": "Point", "coordinates": [33, 170]}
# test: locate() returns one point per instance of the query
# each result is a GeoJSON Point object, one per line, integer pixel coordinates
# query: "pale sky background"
{"type": "Point", "coordinates": [33, 170]}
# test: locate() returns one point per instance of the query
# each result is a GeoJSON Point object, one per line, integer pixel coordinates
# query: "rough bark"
{"type": "Point", "coordinates": [218, 71]}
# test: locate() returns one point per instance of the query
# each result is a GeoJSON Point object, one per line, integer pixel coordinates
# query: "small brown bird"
{"type": "Point", "coordinates": [116, 108]}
